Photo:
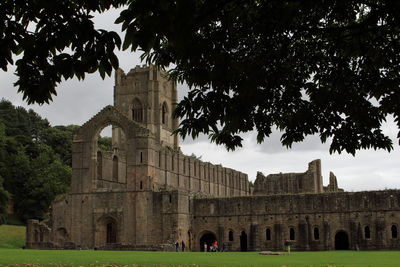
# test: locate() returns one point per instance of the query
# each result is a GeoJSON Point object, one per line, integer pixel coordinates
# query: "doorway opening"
{"type": "Point", "coordinates": [243, 241]}
{"type": "Point", "coordinates": [208, 239]}
{"type": "Point", "coordinates": [341, 241]}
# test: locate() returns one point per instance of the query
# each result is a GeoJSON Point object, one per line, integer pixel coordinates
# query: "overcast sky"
{"type": "Point", "coordinates": [77, 101]}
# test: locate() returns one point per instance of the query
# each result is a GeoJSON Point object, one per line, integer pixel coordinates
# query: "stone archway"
{"type": "Point", "coordinates": [342, 241]}
{"type": "Point", "coordinates": [106, 231]}
{"type": "Point", "coordinates": [243, 241]}
{"type": "Point", "coordinates": [207, 238]}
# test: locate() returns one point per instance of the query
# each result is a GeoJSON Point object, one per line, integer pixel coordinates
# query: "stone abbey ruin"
{"type": "Point", "coordinates": [145, 194]}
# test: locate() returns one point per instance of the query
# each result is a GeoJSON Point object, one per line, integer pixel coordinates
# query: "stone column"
{"type": "Point", "coordinates": [254, 237]}
{"type": "Point", "coordinates": [278, 239]}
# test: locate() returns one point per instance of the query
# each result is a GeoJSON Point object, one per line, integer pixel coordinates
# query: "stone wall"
{"type": "Point", "coordinates": [291, 183]}
{"type": "Point", "coordinates": [315, 220]}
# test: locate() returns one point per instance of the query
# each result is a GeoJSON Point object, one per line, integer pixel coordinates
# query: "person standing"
{"type": "Point", "coordinates": [287, 245]}
{"type": "Point", "coordinates": [177, 246]}
{"type": "Point", "coordinates": [183, 246]}
{"type": "Point", "coordinates": [205, 247]}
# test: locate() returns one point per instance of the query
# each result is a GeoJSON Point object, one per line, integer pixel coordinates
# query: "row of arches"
{"type": "Point", "coordinates": [341, 238]}
{"type": "Point", "coordinates": [208, 238]}
{"type": "Point", "coordinates": [393, 232]}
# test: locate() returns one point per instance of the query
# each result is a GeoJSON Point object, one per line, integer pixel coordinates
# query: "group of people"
{"type": "Point", "coordinates": [214, 247]}
{"type": "Point", "coordinates": [180, 246]}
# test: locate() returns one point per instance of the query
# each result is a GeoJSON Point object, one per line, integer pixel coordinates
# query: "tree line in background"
{"type": "Point", "coordinates": [35, 161]}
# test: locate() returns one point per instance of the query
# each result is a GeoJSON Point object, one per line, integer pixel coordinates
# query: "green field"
{"type": "Point", "coordinates": [12, 236]}
{"type": "Point", "coordinates": [12, 239]}
{"type": "Point", "coordinates": [123, 258]}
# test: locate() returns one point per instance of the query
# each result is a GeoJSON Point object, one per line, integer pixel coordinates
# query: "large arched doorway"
{"type": "Point", "coordinates": [243, 241]}
{"type": "Point", "coordinates": [341, 241]}
{"type": "Point", "coordinates": [208, 239]}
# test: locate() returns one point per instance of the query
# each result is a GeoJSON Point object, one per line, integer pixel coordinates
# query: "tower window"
{"type": "Point", "coordinates": [164, 114]}
{"type": "Point", "coordinates": [137, 110]}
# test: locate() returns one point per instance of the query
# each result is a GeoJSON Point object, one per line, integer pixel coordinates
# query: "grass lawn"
{"type": "Point", "coordinates": [98, 258]}
{"type": "Point", "coordinates": [12, 236]}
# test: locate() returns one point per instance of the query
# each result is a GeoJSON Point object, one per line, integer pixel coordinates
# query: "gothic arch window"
{"type": "Point", "coordinates": [292, 234]}
{"type": "Point", "coordinates": [137, 110]}
{"type": "Point", "coordinates": [164, 114]}
{"type": "Point", "coordinates": [115, 169]}
{"type": "Point", "coordinates": [268, 234]}
{"type": "Point", "coordinates": [393, 231]}
{"type": "Point", "coordinates": [99, 165]}
{"type": "Point", "coordinates": [316, 233]}
{"type": "Point", "coordinates": [367, 232]}
{"type": "Point", "coordinates": [230, 235]}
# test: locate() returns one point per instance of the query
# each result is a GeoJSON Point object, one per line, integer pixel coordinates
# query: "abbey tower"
{"type": "Point", "coordinates": [146, 96]}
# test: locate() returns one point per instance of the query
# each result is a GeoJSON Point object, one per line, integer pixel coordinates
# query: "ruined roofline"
{"type": "Point", "coordinates": [338, 193]}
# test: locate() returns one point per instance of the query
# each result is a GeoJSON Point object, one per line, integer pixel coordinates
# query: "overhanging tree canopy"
{"type": "Point", "coordinates": [307, 67]}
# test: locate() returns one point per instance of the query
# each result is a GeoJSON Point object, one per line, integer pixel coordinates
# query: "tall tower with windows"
{"type": "Point", "coordinates": [146, 96]}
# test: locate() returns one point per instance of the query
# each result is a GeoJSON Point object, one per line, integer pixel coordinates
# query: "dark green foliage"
{"type": "Point", "coordinates": [34, 160]}
{"type": "Point", "coordinates": [105, 143]}
{"type": "Point", "coordinates": [330, 68]}
{"type": "Point", "coordinates": [60, 139]}
{"type": "Point", "coordinates": [42, 30]}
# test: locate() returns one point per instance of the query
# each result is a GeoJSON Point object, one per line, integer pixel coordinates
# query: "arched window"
{"type": "Point", "coordinates": [394, 231]}
{"type": "Point", "coordinates": [292, 235]}
{"type": "Point", "coordinates": [115, 168]}
{"type": "Point", "coordinates": [137, 110]}
{"type": "Point", "coordinates": [99, 165]}
{"type": "Point", "coordinates": [367, 232]}
{"type": "Point", "coordinates": [164, 114]}
{"type": "Point", "coordinates": [230, 235]}
{"type": "Point", "coordinates": [268, 234]}
{"type": "Point", "coordinates": [316, 233]}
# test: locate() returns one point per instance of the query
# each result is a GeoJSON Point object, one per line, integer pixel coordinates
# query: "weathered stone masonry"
{"type": "Point", "coordinates": [145, 193]}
